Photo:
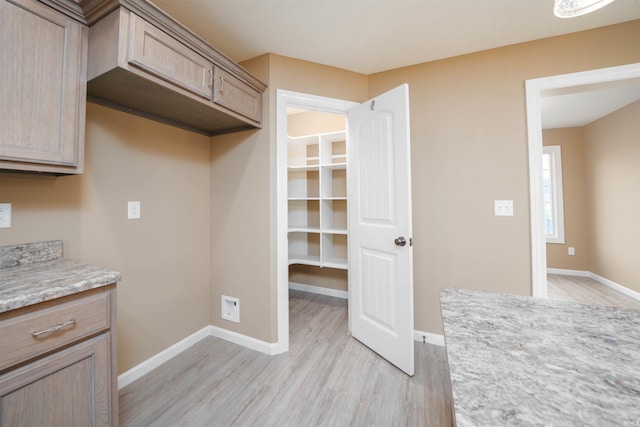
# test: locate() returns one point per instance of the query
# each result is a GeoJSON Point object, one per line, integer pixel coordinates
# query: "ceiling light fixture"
{"type": "Point", "coordinates": [572, 8]}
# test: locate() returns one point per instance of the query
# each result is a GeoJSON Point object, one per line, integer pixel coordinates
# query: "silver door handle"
{"type": "Point", "coordinates": [400, 241]}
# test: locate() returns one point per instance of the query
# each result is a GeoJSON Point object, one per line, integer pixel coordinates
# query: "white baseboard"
{"type": "Point", "coordinates": [153, 362]}
{"type": "Point", "coordinates": [319, 290]}
{"type": "Point", "coordinates": [613, 285]}
{"type": "Point", "coordinates": [165, 355]}
{"type": "Point", "coordinates": [429, 338]}
{"type": "Point", "coordinates": [602, 280]}
{"type": "Point", "coordinates": [243, 340]}
{"type": "Point", "coordinates": [565, 272]}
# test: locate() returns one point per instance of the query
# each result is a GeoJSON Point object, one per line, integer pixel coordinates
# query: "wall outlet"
{"type": "Point", "coordinates": [231, 309]}
{"type": "Point", "coordinates": [572, 251]}
{"type": "Point", "coordinates": [5, 215]}
{"type": "Point", "coordinates": [133, 210]}
{"type": "Point", "coordinates": [503, 207]}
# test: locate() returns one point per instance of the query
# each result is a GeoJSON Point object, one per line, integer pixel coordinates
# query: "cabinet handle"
{"type": "Point", "coordinates": [221, 85]}
{"type": "Point", "coordinates": [53, 328]}
{"type": "Point", "coordinates": [210, 79]}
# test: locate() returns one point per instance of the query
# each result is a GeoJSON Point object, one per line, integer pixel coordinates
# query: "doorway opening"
{"type": "Point", "coordinates": [307, 241]}
{"type": "Point", "coordinates": [536, 90]}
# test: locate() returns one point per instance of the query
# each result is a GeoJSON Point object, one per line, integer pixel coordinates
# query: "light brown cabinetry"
{"type": "Point", "coordinates": [58, 365]}
{"type": "Point", "coordinates": [144, 62]}
{"type": "Point", "coordinates": [43, 88]}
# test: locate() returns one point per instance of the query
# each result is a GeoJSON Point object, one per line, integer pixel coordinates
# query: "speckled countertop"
{"type": "Point", "coordinates": [35, 272]}
{"type": "Point", "coordinates": [522, 361]}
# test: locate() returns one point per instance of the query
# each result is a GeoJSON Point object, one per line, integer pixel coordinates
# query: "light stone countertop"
{"type": "Point", "coordinates": [522, 361]}
{"type": "Point", "coordinates": [27, 279]}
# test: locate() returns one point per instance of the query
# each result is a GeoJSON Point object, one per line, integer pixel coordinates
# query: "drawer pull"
{"type": "Point", "coordinates": [53, 328]}
{"type": "Point", "coordinates": [221, 85]}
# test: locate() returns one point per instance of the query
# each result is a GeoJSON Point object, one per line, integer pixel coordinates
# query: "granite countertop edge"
{"type": "Point", "coordinates": [507, 354]}
{"type": "Point", "coordinates": [29, 284]}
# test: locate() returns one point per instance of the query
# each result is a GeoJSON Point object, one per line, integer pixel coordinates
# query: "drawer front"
{"type": "Point", "coordinates": [234, 94]}
{"type": "Point", "coordinates": [163, 56]}
{"type": "Point", "coordinates": [31, 334]}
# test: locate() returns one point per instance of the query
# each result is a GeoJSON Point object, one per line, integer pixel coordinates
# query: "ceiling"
{"type": "Point", "coordinates": [370, 36]}
{"type": "Point", "coordinates": [580, 105]}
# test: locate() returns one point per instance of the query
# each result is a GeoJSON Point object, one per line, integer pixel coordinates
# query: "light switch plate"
{"type": "Point", "coordinates": [503, 207]}
{"type": "Point", "coordinates": [5, 215]}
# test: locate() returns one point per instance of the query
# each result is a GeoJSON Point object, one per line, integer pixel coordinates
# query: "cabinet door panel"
{"type": "Point", "coordinates": [68, 388]}
{"type": "Point", "coordinates": [161, 55]}
{"type": "Point", "coordinates": [236, 95]}
{"type": "Point", "coordinates": [43, 85]}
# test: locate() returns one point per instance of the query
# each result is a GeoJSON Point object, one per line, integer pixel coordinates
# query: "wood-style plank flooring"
{"type": "Point", "coordinates": [585, 290]}
{"type": "Point", "coordinates": [327, 378]}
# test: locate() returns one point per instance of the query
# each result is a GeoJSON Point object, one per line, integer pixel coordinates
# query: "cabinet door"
{"type": "Point", "coordinates": [234, 94]}
{"type": "Point", "coordinates": [43, 85]}
{"type": "Point", "coordinates": [69, 388]}
{"type": "Point", "coordinates": [161, 55]}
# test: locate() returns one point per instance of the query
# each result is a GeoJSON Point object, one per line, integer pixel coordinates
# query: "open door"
{"type": "Point", "coordinates": [380, 229]}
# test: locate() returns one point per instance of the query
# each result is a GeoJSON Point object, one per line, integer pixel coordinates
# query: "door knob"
{"type": "Point", "coordinates": [400, 241]}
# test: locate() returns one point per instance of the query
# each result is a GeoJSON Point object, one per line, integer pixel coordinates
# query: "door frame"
{"type": "Point", "coordinates": [534, 93]}
{"type": "Point", "coordinates": [285, 99]}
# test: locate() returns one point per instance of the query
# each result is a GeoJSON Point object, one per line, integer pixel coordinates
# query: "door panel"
{"type": "Point", "coordinates": [379, 191]}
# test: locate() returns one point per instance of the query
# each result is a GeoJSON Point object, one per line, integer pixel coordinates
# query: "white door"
{"type": "Point", "coordinates": [379, 212]}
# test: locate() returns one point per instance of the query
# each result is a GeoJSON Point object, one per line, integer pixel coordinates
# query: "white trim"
{"type": "Point", "coordinates": [429, 338]}
{"type": "Point", "coordinates": [602, 280]}
{"type": "Point", "coordinates": [243, 340]}
{"type": "Point", "coordinates": [169, 353]}
{"type": "Point", "coordinates": [158, 359]}
{"type": "Point", "coordinates": [534, 89]}
{"type": "Point", "coordinates": [284, 99]}
{"type": "Point", "coordinates": [613, 285]}
{"type": "Point", "coordinates": [580, 273]}
{"type": "Point", "coordinates": [319, 290]}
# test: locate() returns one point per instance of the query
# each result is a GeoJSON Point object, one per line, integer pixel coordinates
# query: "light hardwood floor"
{"type": "Point", "coordinates": [326, 378]}
{"type": "Point", "coordinates": [585, 290]}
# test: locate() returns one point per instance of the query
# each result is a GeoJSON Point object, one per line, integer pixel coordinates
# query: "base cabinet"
{"type": "Point", "coordinates": [68, 388]}
{"type": "Point", "coordinates": [58, 366]}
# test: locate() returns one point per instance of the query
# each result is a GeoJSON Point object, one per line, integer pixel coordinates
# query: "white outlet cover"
{"type": "Point", "coordinates": [230, 309]}
{"type": "Point", "coordinates": [503, 207]}
{"type": "Point", "coordinates": [133, 210]}
{"type": "Point", "coordinates": [5, 215]}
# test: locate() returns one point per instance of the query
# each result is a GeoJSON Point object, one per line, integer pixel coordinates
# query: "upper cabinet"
{"type": "Point", "coordinates": [43, 88]}
{"type": "Point", "coordinates": [126, 54]}
{"type": "Point", "coordinates": [142, 61]}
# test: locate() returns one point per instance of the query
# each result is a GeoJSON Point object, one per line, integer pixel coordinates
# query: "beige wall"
{"type": "Point", "coordinates": [469, 147]}
{"type": "Point", "coordinates": [612, 154]}
{"type": "Point", "coordinates": [208, 212]}
{"type": "Point", "coordinates": [163, 257]}
{"type": "Point", "coordinates": [571, 142]}
{"type": "Point", "coordinates": [243, 193]}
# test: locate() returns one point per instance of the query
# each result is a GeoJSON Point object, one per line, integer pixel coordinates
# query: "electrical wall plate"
{"type": "Point", "coordinates": [5, 215]}
{"type": "Point", "coordinates": [230, 309]}
{"type": "Point", "coordinates": [503, 207]}
{"type": "Point", "coordinates": [133, 210]}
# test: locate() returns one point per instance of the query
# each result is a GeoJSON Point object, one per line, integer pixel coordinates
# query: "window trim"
{"type": "Point", "coordinates": [558, 197]}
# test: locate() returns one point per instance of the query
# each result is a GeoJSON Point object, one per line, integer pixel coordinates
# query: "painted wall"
{"type": "Point", "coordinates": [163, 257]}
{"type": "Point", "coordinates": [243, 195]}
{"type": "Point", "coordinates": [612, 156]}
{"type": "Point", "coordinates": [208, 210]}
{"type": "Point", "coordinates": [571, 142]}
{"type": "Point", "coordinates": [469, 147]}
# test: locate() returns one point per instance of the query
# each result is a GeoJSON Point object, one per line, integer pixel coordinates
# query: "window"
{"type": "Point", "coordinates": [553, 200]}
